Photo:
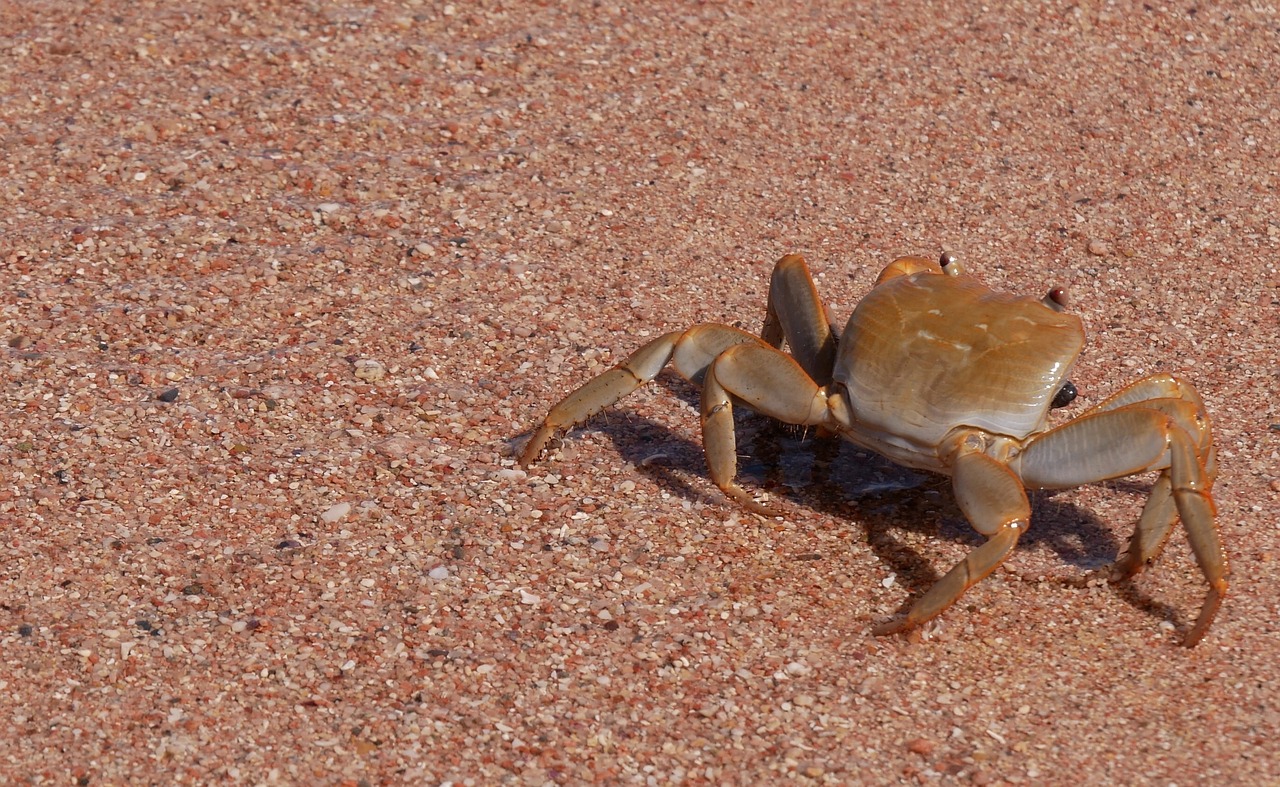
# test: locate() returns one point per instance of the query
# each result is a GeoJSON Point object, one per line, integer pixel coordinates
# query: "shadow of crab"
{"type": "Point", "coordinates": [834, 478]}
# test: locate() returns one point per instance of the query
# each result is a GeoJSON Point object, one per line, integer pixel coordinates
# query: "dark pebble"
{"type": "Point", "coordinates": [168, 395]}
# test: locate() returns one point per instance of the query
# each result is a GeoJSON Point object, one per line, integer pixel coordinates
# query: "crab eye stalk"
{"type": "Point", "coordinates": [1065, 396]}
{"type": "Point", "coordinates": [1055, 299]}
{"type": "Point", "coordinates": [950, 264]}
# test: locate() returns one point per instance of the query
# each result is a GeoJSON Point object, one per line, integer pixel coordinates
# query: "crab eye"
{"type": "Point", "coordinates": [1055, 299]}
{"type": "Point", "coordinates": [1066, 394]}
{"type": "Point", "coordinates": [950, 264]}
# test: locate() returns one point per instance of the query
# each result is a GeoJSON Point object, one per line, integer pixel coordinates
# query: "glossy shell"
{"type": "Point", "coordinates": [928, 352]}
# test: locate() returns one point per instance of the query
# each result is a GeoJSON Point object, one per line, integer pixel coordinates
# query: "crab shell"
{"type": "Point", "coordinates": [925, 354]}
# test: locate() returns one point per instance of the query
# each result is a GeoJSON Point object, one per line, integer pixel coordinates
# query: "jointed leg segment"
{"type": "Point", "coordinates": [1157, 423]}
{"type": "Point", "coordinates": [691, 351]}
{"type": "Point", "coordinates": [995, 503]}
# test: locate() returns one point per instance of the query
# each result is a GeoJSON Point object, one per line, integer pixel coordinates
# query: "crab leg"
{"type": "Point", "coordinates": [1150, 391]}
{"type": "Point", "coordinates": [691, 351]}
{"type": "Point", "coordinates": [993, 500]}
{"type": "Point", "coordinates": [1155, 434]}
{"type": "Point", "coordinates": [796, 315]}
{"type": "Point", "coordinates": [768, 381]}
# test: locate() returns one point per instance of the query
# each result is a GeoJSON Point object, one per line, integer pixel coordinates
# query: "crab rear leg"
{"type": "Point", "coordinates": [1179, 400]}
{"type": "Point", "coordinates": [1166, 434]}
{"type": "Point", "coordinates": [994, 502]}
{"type": "Point", "coordinates": [691, 351]}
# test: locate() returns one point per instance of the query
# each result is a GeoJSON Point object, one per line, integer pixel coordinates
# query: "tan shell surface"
{"type": "Point", "coordinates": [925, 353]}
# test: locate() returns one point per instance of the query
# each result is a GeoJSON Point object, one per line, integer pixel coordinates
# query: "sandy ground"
{"type": "Point", "coordinates": [284, 283]}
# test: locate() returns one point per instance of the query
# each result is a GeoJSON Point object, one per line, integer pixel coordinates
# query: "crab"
{"type": "Point", "coordinates": [937, 372]}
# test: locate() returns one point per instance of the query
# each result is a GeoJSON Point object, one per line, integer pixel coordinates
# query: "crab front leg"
{"type": "Point", "coordinates": [691, 351]}
{"type": "Point", "coordinates": [772, 383]}
{"type": "Point", "coordinates": [995, 503]}
{"type": "Point", "coordinates": [1165, 434]}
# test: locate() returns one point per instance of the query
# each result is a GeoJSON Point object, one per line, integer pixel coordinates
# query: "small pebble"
{"type": "Point", "coordinates": [922, 746]}
{"type": "Point", "coordinates": [336, 512]}
{"type": "Point", "coordinates": [1099, 248]}
{"type": "Point", "coordinates": [370, 371]}
{"type": "Point", "coordinates": [438, 573]}
{"type": "Point", "coordinates": [798, 669]}
{"type": "Point", "coordinates": [168, 395]}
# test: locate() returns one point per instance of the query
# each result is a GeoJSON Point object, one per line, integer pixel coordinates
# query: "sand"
{"type": "Point", "coordinates": [285, 284]}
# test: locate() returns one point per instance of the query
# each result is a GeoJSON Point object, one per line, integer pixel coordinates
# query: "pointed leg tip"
{"type": "Point", "coordinates": [891, 626]}
{"type": "Point", "coordinates": [766, 511]}
{"type": "Point", "coordinates": [740, 496]}
{"type": "Point", "coordinates": [1208, 612]}
{"type": "Point", "coordinates": [1120, 571]}
{"type": "Point", "coordinates": [534, 446]}
{"type": "Point", "coordinates": [528, 455]}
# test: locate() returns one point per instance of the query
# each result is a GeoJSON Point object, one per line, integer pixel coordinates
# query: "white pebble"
{"type": "Point", "coordinates": [336, 512]}
{"type": "Point", "coordinates": [369, 370]}
{"type": "Point", "coordinates": [528, 598]}
{"type": "Point", "coordinates": [889, 580]}
{"type": "Point", "coordinates": [798, 669]}
{"type": "Point", "coordinates": [439, 572]}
